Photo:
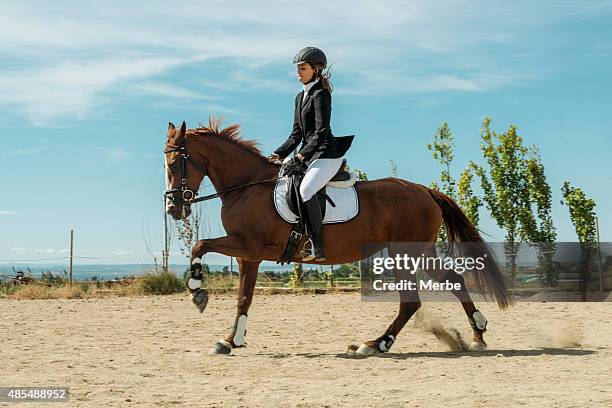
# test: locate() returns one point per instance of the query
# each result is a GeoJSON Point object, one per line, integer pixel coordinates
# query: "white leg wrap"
{"type": "Point", "coordinates": [386, 344]}
{"type": "Point", "coordinates": [479, 320]}
{"type": "Point", "coordinates": [194, 284]}
{"type": "Point", "coordinates": [239, 336]}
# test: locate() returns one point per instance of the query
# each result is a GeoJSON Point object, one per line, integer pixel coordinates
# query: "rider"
{"type": "Point", "coordinates": [320, 150]}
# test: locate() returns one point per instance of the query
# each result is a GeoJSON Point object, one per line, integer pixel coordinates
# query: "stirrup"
{"type": "Point", "coordinates": [307, 253]}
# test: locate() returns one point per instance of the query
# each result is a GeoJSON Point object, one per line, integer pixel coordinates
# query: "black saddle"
{"type": "Point", "coordinates": [341, 175]}
{"type": "Point", "coordinates": [293, 195]}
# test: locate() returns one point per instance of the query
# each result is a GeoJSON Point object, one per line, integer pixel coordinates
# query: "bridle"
{"type": "Point", "coordinates": [187, 195]}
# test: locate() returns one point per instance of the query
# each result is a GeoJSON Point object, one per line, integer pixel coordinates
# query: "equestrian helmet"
{"type": "Point", "coordinates": [312, 55]}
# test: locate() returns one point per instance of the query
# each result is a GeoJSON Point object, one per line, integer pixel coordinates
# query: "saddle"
{"type": "Point", "coordinates": [339, 179]}
{"type": "Point", "coordinates": [342, 179]}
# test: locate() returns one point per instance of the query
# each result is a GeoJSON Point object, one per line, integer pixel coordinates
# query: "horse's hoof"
{"type": "Point", "coordinates": [199, 297]}
{"type": "Point", "coordinates": [221, 347]}
{"type": "Point", "coordinates": [365, 350]}
{"type": "Point", "coordinates": [476, 346]}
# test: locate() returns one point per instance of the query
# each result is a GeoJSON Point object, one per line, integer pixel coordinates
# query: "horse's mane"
{"type": "Point", "coordinates": [230, 133]}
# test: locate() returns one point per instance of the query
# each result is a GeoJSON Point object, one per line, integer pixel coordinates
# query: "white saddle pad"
{"type": "Point", "coordinates": [347, 203]}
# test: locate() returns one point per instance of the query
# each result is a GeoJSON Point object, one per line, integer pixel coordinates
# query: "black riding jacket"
{"type": "Point", "coordinates": [311, 126]}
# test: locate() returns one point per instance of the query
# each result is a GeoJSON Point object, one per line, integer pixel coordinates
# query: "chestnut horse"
{"type": "Point", "coordinates": [391, 210]}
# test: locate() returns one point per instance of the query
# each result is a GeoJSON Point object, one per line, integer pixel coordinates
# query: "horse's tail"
{"type": "Point", "coordinates": [459, 228]}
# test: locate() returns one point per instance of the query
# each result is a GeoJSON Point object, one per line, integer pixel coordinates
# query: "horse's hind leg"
{"type": "Point", "coordinates": [476, 319]}
{"type": "Point", "coordinates": [409, 304]}
{"type": "Point", "coordinates": [384, 342]}
{"type": "Point", "coordinates": [246, 286]}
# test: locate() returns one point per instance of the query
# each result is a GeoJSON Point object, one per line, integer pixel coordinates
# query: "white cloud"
{"type": "Point", "coordinates": [75, 60]}
{"type": "Point", "coordinates": [44, 251]}
{"type": "Point", "coordinates": [120, 252]}
{"type": "Point", "coordinates": [18, 249]}
{"type": "Point", "coordinates": [5, 212]}
{"type": "Point", "coordinates": [25, 152]}
{"type": "Point", "coordinates": [117, 154]}
{"type": "Point", "coordinates": [161, 89]}
{"type": "Point", "coordinates": [48, 93]}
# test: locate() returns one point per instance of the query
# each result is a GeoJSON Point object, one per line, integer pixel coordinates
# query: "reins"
{"type": "Point", "coordinates": [215, 195]}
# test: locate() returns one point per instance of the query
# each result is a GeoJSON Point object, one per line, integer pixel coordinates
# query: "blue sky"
{"type": "Point", "coordinates": [88, 90]}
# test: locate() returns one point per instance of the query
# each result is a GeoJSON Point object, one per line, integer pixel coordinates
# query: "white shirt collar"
{"type": "Point", "coordinates": [309, 85]}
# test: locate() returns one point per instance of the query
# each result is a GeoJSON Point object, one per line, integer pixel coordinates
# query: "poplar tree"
{"type": "Point", "coordinates": [582, 214]}
{"type": "Point", "coordinates": [539, 228]}
{"type": "Point", "coordinates": [442, 150]}
{"type": "Point", "coordinates": [466, 199]}
{"type": "Point", "coordinates": [514, 188]}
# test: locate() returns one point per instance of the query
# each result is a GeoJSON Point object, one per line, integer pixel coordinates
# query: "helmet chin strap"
{"type": "Point", "coordinates": [314, 77]}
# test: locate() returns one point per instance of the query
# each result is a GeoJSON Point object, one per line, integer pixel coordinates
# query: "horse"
{"type": "Point", "coordinates": [390, 210]}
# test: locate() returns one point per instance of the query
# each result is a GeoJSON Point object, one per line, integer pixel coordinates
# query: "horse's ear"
{"type": "Point", "coordinates": [180, 134]}
{"type": "Point", "coordinates": [171, 130]}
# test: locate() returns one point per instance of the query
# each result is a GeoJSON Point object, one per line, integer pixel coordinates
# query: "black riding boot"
{"type": "Point", "coordinates": [314, 223]}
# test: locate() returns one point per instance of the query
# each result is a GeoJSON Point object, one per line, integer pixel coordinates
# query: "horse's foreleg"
{"type": "Point", "coordinates": [232, 245]}
{"type": "Point", "coordinates": [246, 286]}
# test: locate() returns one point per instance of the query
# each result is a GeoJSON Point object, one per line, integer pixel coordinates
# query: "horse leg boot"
{"type": "Point", "coordinates": [314, 222]}
{"type": "Point", "coordinates": [199, 295]}
{"type": "Point", "coordinates": [231, 245]}
{"type": "Point", "coordinates": [246, 286]}
{"type": "Point", "coordinates": [409, 304]}
{"type": "Point", "coordinates": [476, 319]}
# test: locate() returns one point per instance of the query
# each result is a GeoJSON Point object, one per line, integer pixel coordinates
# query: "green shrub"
{"type": "Point", "coordinates": [163, 283]}
{"type": "Point", "coordinates": [7, 288]}
{"type": "Point", "coordinates": [48, 278]}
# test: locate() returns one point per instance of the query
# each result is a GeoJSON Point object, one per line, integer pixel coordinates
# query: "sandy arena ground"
{"type": "Point", "coordinates": [152, 352]}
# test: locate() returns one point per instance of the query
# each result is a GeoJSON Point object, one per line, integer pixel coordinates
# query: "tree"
{"type": "Point", "coordinates": [582, 214]}
{"type": "Point", "coordinates": [517, 184]}
{"type": "Point", "coordinates": [442, 150]}
{"type": "Point", "coordinates": [581, 211]}
{"type": "Point", "coordinates": [393, 168]}
{"type": "Point", "coordinates": [348, 270]}
{"type": "Point", "coordinates": [296, 279]}
{"type": "Point", "coordinates": [361, 175]}
{"type": "Point", "coordinates": [540, 231]}
{"type": "Point", "coordinates": [469, 202]}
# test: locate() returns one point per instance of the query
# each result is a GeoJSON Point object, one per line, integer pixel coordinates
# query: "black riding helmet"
{"type": "Point", "coordinates": [310, 54]}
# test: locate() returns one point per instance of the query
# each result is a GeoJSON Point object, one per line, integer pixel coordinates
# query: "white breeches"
{"type": "Point", "coordinates": [319, 172]}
